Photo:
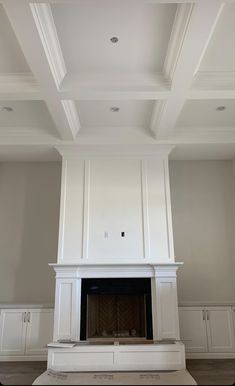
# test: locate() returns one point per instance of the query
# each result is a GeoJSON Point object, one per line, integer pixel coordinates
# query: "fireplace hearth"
{"type": "Point", "coordinates": [116, 308]}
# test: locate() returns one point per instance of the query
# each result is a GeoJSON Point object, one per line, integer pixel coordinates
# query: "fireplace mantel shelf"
{"type": "Point", "coordinates": [88, 270]}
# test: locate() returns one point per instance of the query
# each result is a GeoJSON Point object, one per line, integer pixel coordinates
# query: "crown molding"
{"type": "Point", "coordinates": [47, 31]}
{"type": "Point", "coordinates": [178, 34]}
{"type": "Point", "coordinates": [127, 151]}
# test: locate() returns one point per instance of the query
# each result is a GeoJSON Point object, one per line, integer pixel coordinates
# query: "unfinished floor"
{"type": "Point", "coordinates": [205, 372]}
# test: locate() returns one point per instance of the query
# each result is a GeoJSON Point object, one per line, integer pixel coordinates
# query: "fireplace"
{"type": "Point", "coordinates": [116, 309]}
{"type": "Point", "coordinates": [116, 292]}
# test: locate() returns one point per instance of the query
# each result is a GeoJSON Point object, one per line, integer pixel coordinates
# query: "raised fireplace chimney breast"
{"type": "Point", "coordinates": [116, 248]}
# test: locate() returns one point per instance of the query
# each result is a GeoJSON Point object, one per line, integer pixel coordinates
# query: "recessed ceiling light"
{"type": "Point", "coordinates": [114, 39]}
{"type": "Point", "coordinates": [114, 109]}
{"type": "Point", "coordinates": [220, 108]}
{"type": "Point", "coordinates": [6, 108]}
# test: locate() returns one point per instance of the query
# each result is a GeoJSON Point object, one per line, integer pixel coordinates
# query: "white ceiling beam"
{"type": "Point", "coordinates": [194, 24]}
{"type": "Point", "coordinates": [214, 80]}
{"type": "Point", "coordinates": [22, 21]}
{"type": "Point", "coordinates": [19, 86]}
{"type": "Point", "coordinates": [47, 30]}
{"type": "Point", "coordinates": [211, 94]}
{"type": "Point", "coordinates": [124, 86]}
{"type": "Point", "coordinates": [99, 95]}
{"type": "Point", "coordinates": [71, 114]}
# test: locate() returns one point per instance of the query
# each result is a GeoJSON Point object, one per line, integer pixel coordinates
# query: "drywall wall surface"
{"type": "Point", "coordinates": [203, 200]}
{"type": "Point", "coordinates": [29, 218]}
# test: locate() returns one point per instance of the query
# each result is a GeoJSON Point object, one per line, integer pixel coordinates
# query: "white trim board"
{"type": "Point", "coordinates": [219, 355]}
{"type": "Point", "coordinates": [23, 358]}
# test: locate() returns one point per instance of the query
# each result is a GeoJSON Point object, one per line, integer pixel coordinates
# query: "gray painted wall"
{"type": "Point", "coordinates": [29, 218]}
{"type": "Point", "coordinates": [203, 201]}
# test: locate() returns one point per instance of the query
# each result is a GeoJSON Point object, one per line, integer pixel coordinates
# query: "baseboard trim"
{"type": "Point", "coordinates": [230, 355]}
{"type": "Point", "coordinates": [23, 358]}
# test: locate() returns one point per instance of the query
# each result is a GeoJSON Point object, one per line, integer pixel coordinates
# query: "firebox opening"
{"type": "Point", "coordinates": [116, 309]}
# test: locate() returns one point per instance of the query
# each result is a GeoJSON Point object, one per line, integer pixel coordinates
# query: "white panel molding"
{"type": "Point", "coordinates": [179, 29]}
{"type": "Point", "coordinates": [67, 309]}
{"type": "Point", "coordinates": [86, 208]}
{"type": "Point", "coordinates": [77, 198]}
{"type": "Point", "coordinates": [167, 308]}
{"type": "Point", "coordinates": [62, 209]}
{"type": "Point", "coordinates": [145, 210]}
{"type": "Point", "coordinates": [63, 312]}
{"type": "Point", "coordinates": [71, 210]}
{"type": "Point", "coordinates": [47, 30]}
{"type": "Point", "coordinates": [170, 235]}
{"type": "Point", "coordinates": [72, 115]}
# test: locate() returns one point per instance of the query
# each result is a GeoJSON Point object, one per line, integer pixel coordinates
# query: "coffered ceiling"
{"type": "Point", "coordinates": [118, 72]}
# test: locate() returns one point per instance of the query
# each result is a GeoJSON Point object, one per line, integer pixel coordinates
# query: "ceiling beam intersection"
{"type": "Point", "coordinates": [45, 63]}
{"type": "Point", "coordinates": [192, 31]}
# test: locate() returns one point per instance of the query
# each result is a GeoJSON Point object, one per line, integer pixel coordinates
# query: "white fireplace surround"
{"type": "Point", "coordinates": [128, 357]}
{"type": "Point", "coordinates": [164, 295]}
{"type": "Point", "coordinates": [115, 222]}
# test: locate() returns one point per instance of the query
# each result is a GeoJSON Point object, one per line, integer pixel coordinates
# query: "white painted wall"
{"type": "Point", "coordinates": [203, 202]}
{"type": "Point", "coordinates": [29, 217]}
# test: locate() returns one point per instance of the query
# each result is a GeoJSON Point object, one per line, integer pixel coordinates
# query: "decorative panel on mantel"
{"type": "Point", "coordinates": [115, 209]}
{"type": "Point", "coordinates": [114, 227]}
